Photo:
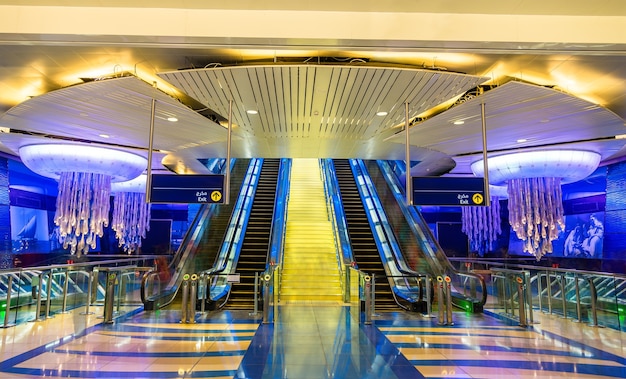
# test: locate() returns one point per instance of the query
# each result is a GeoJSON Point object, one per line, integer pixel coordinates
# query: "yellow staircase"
{"type": "Point", "coordinates": [310, 271]}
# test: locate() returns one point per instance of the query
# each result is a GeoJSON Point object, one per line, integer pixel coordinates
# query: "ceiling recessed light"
{"type": "Point", "coordinates": [252, 111]}
{"type": "Point", "coordinates": [104, 135]}
{"type": "Point", "coordinates": [521, 140]}
{"type": "Point", "coordinates": [381, 113]}
{"type": "Point", "coordinates": [459, 122]}
{"type": "Point", "coordinates": [172, 119]}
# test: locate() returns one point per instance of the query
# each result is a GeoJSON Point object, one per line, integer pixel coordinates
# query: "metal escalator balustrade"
{"type": "Point", "coordinates": [469, 289]}
{"type": "Point", "coordinates": [199, 248]}
{"type": "Point", "coordinates": [363, 245]}
{"type": "Point", "coordinates": [256, 240]}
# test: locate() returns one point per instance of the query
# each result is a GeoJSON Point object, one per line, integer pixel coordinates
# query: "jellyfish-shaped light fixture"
{"type": "Point", "coordinates": [533, 180]}
{"type": "Point", "coordinates": [131, 213]}
{"type": "Point", "coordinates": [482, 224]}
{"type": "Point", "coordinates": [85, 174]}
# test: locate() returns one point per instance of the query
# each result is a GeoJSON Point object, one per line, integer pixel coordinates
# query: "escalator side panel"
{"type": "Point", "coordinates": [364, 249]}
{"type": "Point", "coordinates": [257, 238]}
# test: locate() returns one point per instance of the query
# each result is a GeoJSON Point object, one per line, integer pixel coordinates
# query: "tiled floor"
{"type": "Point", "coordinates": [309, 341]}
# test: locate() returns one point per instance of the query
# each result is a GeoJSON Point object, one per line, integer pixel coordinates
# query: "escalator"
{"type": "Point", "coordinates": [411, 250]}
{"type": "Point", "coordinates": [256, 241]}
{"type": "Point", "coordinates": [418, 246]}
{"type": "Point", "coordinates": [199, 253]}
{"type": "Point", "coordinates": [364, 248]}
{"type": "Point", "coordinates": [212, 237]}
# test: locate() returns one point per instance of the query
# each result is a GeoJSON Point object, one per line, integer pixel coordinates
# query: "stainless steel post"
{"type": "Point", "coordinates": [529, 297]}
{"type": "Point", "coordinates": [549, 288]}
{"type": "Point", "coordinates": [49, 294]}
{"type": "Point", "coordinates": [522, 301]}
{"type": "Point", "coordinates": [440, 300]}
{"type": "Point", "coordinates": [256, 295]}
{"type": "Point", "coordinates": [266, 298]}
{"type": "Point", "coordinates": [594, 299]}
{"type": "Point", "coordinates": [38, 300]}
{"type": "Point", "coordinates": [185, 299]}
{"type": "Point", "coordinates": [579, 313]}
{"type": "Point", "coordinates": [7, 306]}
{"type": "Point", "coordinates": [205, 286]}
{"type": "Point", "coordinates": [373, 293]}
{"type": "Point", "coordinates": [92, 276]}
{"type": "Point", "coordinates": [193, 294]}
{"type": "Point", "coordinates": [346, 282]}
{"type": "Point", "coordinates": [65, 286]}
{"type": "Point", "coordinates": [539, 290]}
{"type": "Point", "coordinates": [368, 299]}
{"type": "Point", "coordinates": [448, 301]}
{"type": "Point", "coordinates": [563, 299]}
{"type": "Point", "coordinates": [428, 296]}
{"type": "Point", "coordinates": [109, 297]}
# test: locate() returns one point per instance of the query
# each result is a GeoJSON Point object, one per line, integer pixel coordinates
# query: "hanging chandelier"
{"type": "Point", "coordinates": [482, 224]}
{"type": "Point", "coordinates": [131, 213]}
{"type": "Point", "coordinates": [533, 182]}
{"type": "Point", "coordinates": [85, 174]}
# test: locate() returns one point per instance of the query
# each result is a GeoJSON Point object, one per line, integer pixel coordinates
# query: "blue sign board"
{"type": "Point", "coordinates": [189, 189]}
{"type": "Point", "coordinates": [448, 191]}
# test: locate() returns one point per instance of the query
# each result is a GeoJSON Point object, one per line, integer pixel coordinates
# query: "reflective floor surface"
{"type": "Point", "coordinates": [309, 341]}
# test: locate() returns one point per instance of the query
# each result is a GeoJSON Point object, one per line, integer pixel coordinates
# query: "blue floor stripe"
{"type": "Point", "coordinates": [398, 363]}
{"type": "Point", "coordinates": [253, 362]}
{"type": "Point", "coordinates": [119, 374]}
{"type": "Point", "coordinates": [181, 354]}
{"type": "Point", "coordinates": [191, 338]}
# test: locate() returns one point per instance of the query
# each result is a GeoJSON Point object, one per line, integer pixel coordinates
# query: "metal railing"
{"type": "Point", "coordinates": [38, 293]}
{"type": "Point", "coordinates": [596, 298]}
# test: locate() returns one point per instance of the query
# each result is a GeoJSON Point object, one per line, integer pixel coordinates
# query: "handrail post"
{"type": "Point", "coordinates": [185, 299]}
{"type": "Point", "coordinates": [521, 301]}
{"type": "Point", "coordinates": [38, 300]}
{"type": "Point", "coordinates": [563, 299]}
{"type": "Point", "coordinates": [346, 289]}
{"type": "Point", "coordinates": [65, 288]}
{"type": "Point", "coordinates": [428, 297]}
{"type": "Point", "coordinates": [549, 288]}
{"type": "Point", "coordinates": [594, 299]}
{"type": "Point", "coordinates": [193, 295]}
{"type": "Point", "coordinates": [373, 293]}
{"type": "Point", "coordinates": [205, 285]}
{"type": "Point", "coordinates": [92, 276]}
{"type": "Point", "coordinates": [440, 301]}
{"type": "Point", "coordinates": [529, 297]}
{"type": "Point", "coordinates": [266, 298]}
{"type": "Point", "coordinates": [579, 313]}
{"type": "Point", "coordinates": [7, 309]}
{"type": "Point", "coordinates": [256, 295]}
{"type": "Point", "coordinates": [368, 300]}
{"type": "Point", "coordinates": [49, 295]}
{"type": "Point", "coordinates": [449, 300]}
{"type": "Point", "coordinates": [109, 297]}
{"type": "Point", "coordinates": [539, 290]}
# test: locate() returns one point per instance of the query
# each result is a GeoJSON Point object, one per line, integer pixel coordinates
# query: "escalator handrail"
{"type": "Point", "coordinates": [279, 218]}
{"type": "Point", "coordinates": [331, 185]}
{"type": "Point", "coordinates": [237, 221]}
{"type": "Point", "coordinates": [382, 238]}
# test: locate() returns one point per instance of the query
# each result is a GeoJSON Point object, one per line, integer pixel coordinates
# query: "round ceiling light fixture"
{"type": "Point", "coordinates": [533, 180]}
{"type": "Point", "coordinates": [50, 160]}
{"type": "Point", "coordinates": [569, 165]}
{"type": "Point", "coordinates": [85, 174]}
